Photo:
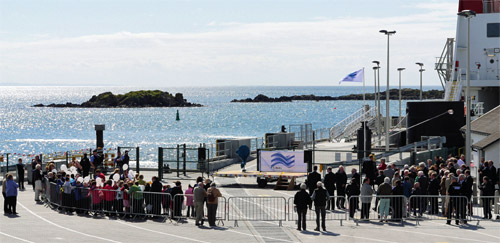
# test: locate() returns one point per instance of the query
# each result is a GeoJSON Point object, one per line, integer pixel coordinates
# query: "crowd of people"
{"type": "Point", "coordinates": [82, 187]}
{"type": "Point", "coordinates": [434, 183]}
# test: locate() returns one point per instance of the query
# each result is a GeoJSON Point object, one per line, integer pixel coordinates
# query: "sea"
{"type": "Point", "coordinates": [27, 130]}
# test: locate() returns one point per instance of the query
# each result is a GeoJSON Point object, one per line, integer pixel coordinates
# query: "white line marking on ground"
{"type": "Point", "coordinates": [14, 237]}
{"type": "Point", "coordinates": [473, 231]}
{"type": "Point", "coordinates": [266, 237]}
{"type": "Point", "coordinates": [430, 234]}
{"type": "Point", "coordinates": [62, 227]}
{"type": "Point", "coordinates": [163, 233]}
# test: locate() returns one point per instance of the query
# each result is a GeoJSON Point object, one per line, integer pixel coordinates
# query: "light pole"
{"type": "Point", "coordinates": [387, 119]}
{"type": "Point", "coordinates": [377, 91]}
{"type": "Point", "coordinates": [468, 14]}
{"type": "Point", "coordinates": [400, 70]}
{"type": "Point", "coordinates": [421, 70]}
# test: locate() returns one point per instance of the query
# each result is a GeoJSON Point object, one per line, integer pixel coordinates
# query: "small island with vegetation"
{"type": "Point", "coordinates": [133, 99]}
{"type": "Point", "coordinates": [406, 94]}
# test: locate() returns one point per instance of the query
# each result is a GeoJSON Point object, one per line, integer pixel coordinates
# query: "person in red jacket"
{"type": "Point", "coordinates": [109, 197]}
{"type": "Point", "coordinates": [96, 194]}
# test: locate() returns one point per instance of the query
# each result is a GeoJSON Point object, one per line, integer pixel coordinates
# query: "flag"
{"type": "Point", "coordinates": [354, 77]}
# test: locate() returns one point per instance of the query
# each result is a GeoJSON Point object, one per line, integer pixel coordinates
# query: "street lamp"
{"type": "Point", "coordinates": [387, 121]}
{"type": "Point", "coordinates": [377, 96]}
{"type": "Point", "coordinates": [400, 70]}
{"type": "Point", "coordinates": [468, 14]}
{"type": "Point", "coordinates": [421, 70]}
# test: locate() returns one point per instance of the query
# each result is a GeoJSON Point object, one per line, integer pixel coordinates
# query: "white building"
{"type": "Point", "coordinates": [485, 135]}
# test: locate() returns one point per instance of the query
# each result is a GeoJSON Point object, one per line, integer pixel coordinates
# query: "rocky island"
{"type": "Point", "coordinates": [406, 94]}
{"type": "Point", "coordinates": [133, 99]}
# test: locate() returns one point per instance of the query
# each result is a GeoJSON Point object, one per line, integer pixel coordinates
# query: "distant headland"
{"type": "Point", "coordinates": [406, 94]}
{"type": "Point", "coordinates": [133, 99]}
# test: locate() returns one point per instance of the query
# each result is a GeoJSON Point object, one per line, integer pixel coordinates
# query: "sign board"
{"type": "Point", "coordinates": [282, 161]}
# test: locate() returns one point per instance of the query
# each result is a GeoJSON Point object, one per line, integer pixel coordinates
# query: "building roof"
{"type": "Point", "coordinates": [487, 141]}
{"type": "Point", "coordinates": [487, 124]}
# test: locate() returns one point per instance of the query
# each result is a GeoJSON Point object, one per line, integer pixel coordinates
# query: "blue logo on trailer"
{"type": "Point", "coordinates": [280, 159]}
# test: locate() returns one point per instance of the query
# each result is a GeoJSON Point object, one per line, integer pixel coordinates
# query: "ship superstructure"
{"type": "Point", "coordinates": [484, 57]}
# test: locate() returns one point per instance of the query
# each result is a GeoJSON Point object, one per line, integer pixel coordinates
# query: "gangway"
{"type": "Point", "coordinates": [350, 125]}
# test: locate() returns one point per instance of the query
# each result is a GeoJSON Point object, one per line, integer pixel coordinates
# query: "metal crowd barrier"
{"type": "Point", "coordinates": [186, 212]}
{"type": "Point", "coordinates": [397, 203]}
{"type": "Point", "coordinates": [331, 215]}
{"type": "Point", "coordinates": [436, 207]}
{"type": "Point", "coordinates": [257, 209]}
{"type": "Point", "coordinates": [151, 204]}
{"type": "Point", "coordinates": [486, 206]}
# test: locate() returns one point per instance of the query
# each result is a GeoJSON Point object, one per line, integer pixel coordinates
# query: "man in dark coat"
{"type": "Point", "coordinates": [156, 196]}
{"type": "Point", "coordinates": [341, 181]}
{"type": "Point", "coordinates": [454, 191]}
{"type": "Point", "coordinates": [370, 169]}
{"type": "Point", "coordinates": [353, 191]}
{"type": "Point", "coordinates": [302, 202]}
{"type": "Point", "coordinates": [433, 192]}
{"type": "Point", "coordinates": [356, 178]}
{"type": "Point", "coordinates": [177, 200]}
{"type": "Point", "coordinates": [320, 197]}
{"type": "Point", "coordinates": [85, 163]}
{"type": "Point", "coordinates": [467, 190]}
{"type": "Point", "coordinates": [330, 180]}
{"type": "Point", "coordinates": [312, 179]}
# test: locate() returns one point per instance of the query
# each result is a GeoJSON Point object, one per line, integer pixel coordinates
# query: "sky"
{"type": "Point", "coordinates": [219, 42]}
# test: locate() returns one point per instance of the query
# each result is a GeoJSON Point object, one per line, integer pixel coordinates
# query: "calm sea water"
{"type": "Point", "coordinates": [24, 129]}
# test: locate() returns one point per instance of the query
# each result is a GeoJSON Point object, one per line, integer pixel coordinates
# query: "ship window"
{"type": "Point", "coordinates": [493, 30]}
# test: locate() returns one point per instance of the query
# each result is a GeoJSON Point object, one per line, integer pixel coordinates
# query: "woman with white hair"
{"type": "Point", "coordinates": [383, 190]}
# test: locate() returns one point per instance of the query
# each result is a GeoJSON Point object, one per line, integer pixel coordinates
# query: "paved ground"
{"type": "Point", "coordinates": [37, 223]}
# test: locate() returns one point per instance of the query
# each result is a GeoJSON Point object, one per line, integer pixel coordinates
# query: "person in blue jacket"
{"type": "Point", "coordinates": [11, 193]}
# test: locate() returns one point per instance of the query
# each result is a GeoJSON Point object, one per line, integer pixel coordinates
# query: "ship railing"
{"type": "Point", "coordinates": [478, 108]}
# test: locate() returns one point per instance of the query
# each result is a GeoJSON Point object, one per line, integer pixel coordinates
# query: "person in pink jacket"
{"type": "Point", "coordinates": [189, 201]}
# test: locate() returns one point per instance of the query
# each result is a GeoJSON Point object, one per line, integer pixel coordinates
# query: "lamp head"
{"type": "Point", "coordinates": [467, 13]}
{"type": "Point", "coordinates": [450, 111]}
{"type": "Point", "coordinates": [420, 64]}
{"type": "Point", "coordinates": [401, 69]}
{"type": "Point", "coordinates": [376, 62]}
{"type": "Point", "coordinates": [388, 32]}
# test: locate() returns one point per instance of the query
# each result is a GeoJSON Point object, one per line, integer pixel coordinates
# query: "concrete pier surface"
{"type": "Point", "coordinates": [37, 223]}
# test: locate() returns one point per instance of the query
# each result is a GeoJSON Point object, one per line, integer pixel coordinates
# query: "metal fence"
{"type": "Point", "coordinates": [386, 207]}
{"type": "Point", "coordinates": [161, 205]}
{"type": "Point", "coordinates": [257, 209]}
{"type": "Point", "coordinates": [331, 214]}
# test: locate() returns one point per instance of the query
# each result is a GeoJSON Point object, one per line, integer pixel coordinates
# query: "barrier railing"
{"type": "Point", "coordinates": [257, 209]}
{"type": "Point", "coordinates": [331, 215]}
{"type": "Point", "coordinates": [437, 207]}
{"type": "Point", "coordinates": [83, 200]}
{"type": "Point", "coordinates": [388, 207]}
{"type": "Point", "coordinates": [485, 208]}
{"type": "Point", "coordinates": [151, 204]}
{"type": "Point", "coordinates": [187, 211]}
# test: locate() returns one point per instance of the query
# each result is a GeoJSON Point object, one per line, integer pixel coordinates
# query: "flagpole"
{"type": "Point", "coordinates": [364, 115]}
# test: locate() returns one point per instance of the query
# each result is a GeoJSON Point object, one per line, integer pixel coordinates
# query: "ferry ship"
{"type": "Point", "coordinates": [483, 27]}
{"type": "Point", "coordinates": [484, 57]}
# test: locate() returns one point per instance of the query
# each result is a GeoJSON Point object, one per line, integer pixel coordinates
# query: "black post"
{"type": "Point", "coordinates": [7, 168]}
{"type": "Point", "coordinates": [184, 159]}
{"type": "Point", "coordinates": [99, 135]}
{"type": "Point", "coordinates": [160, 163]}
{"type": "Point", "coordinates": [313, 157]}
{"type": "Point", "coordinates": [137, 159]}
{"type": "Point", "coordinates": [67, 158]}
{"type": "Point", "coordinates": [178, 148]}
